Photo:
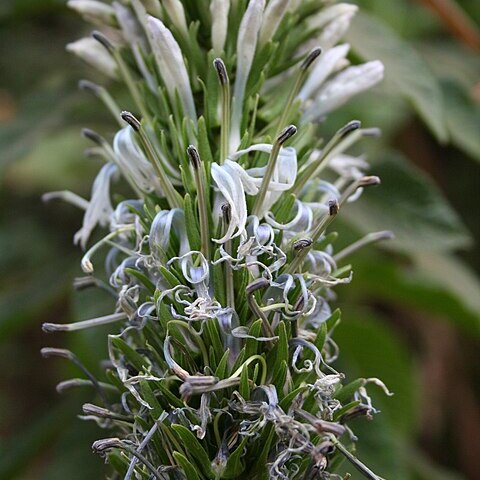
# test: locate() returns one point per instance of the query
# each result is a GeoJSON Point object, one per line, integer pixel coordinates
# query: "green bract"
{"type": "Point", "coordinates": [220, 257]}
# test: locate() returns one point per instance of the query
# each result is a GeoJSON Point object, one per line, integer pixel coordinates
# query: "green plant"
{"type": "Point", "coordinates": [219, 258]}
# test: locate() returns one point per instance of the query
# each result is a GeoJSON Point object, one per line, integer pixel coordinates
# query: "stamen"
{"type": "Point", "coordinates": [360, 183]}
{"type": "Point", "coordinates": [302, 74]}
{"type": "Point", "coordinates": [173, 197]}
{"type": "Point", "coordinates": [81, 382]}
{"type": "Point", "coordinates": [102, 93]}
{"type": "Point", "coordinates": [49, 352]}
{"type": "Point", "coordinates": [94, 322]}
{"type": "Point", "coordinates": [103, 446]}
{"type": "Point", "coordinates": [125, 73]}
{"type": "Point", "coordinates": [199, 174]}
{"type": "Point", "coordinates": [286, 134]}
{"type": "Point", "coordinates": [94, 410]}
{"type": "Point", "coordinates": [366, 240]}
{"type": "Point", "coordinates": [333, 208]}
{"type": "Point", "coordinates": [226, 100]}
{"type": "Point", "coordinates": [87, 265]}
{"type": "Point", "coordinates": [343, 139]}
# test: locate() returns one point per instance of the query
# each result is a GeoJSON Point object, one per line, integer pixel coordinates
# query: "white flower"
{"type": "Point", "coordinates": [162, 225]}
{"type": "Point", "coordinates": [219, 11]}
{"type": "Point", "coordinates": [233, 182]}
{"type": "Point", "coordinates": [325, 65]}
{"type": "Point", "coordinates": [272, 17]}
{"type": "Point", "coordinates": [171, 64]}
{"type": "Point", "coordinates": [90, 51]}
{"type": "Point", "coordinates": [176, 13]}
{"type": "Point", "coordinates": [232, 191]}
{"type": "Point", "coordinates": [246, 46]}
{"type": "Point", "coordinates": [133, 163]}
{"type": "Point", "coordinates": [93, 10]}
{"type": "Point", "coordinates": [283, 176]}
{"type": "Point", "coordinates": [99, 210]}
{"type": "Point", "coordinates": [344, 86]}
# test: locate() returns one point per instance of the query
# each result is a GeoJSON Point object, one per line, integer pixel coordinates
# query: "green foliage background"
{"type": "Point", "coordinates": [411, 316]}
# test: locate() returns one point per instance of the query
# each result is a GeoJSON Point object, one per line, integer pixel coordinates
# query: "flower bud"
{"type": "Point", "coordinates": [219, 11]}
{"type": "Point", "coordinates": [344, 86]}
{"type": "Point", "coordinates": [90, 51]}
{"type": "Point", "coordinates": [272, 18]}
{"type": "Point", "coordinates": [176, 13]}
{"type": "Point", "coordinates": [171, 65]}
{"type": "Point", "coordinates": [94, 11]}
{"type": "Point", "coordinates": [246, 46]}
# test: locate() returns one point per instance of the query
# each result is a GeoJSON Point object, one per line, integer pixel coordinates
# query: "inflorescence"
{"type": "Point", "coordinates": [221, 257]}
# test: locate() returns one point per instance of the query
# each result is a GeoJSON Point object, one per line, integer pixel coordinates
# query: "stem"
{"type": "Point", "coordinates": [230, 285]}
{"type": "Point", "coordinates": [142, 445]}
{"type": "Point", "coordinates": [457, 21]}
{"type": "Point", "coordinates": [254, 307]}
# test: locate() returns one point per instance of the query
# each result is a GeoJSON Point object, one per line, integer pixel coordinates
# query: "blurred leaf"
{"type": "Point", "coordinates": [371, 349]}
{"type": "Point", "coordinates": [409, 204]}
{"type": "Point", "coordinates": [406, 71]}
{"type": "Point", "coordinates": [408, 19]}
{"type": "Point", "coordinates": [55, 163]}
{"type": "Point", "coordinates": [425, 469]}
{"type": "Point", "coordinates": [417, 288]}
{"type": "Point", "coordinates": [380, 448]}
{"type": "Point", "coordinates": [21, 8]}
{"type": "Point", "coordinates": [40, 113]}
{"type": "Point", "coordinates": [445, 271]}
{"type": "Point", "coordinates": [451, 60]}
{"type": "Point", "coordinates": [35, 268]}
{"type": "Point", "coordinates": [463, 119]}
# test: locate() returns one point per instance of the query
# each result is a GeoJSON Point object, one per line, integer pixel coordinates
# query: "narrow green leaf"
{"type": "Point", "coordinates": [138, 361]}
{"type": "Point", "coordinates": [244, 387]}
{"type": "Point", "coordinates": [194, 449]}
{"type": "Point", "coordinates": [189, 470]}
{"type": "Point", "coordinates": [251, 345]}
{"type": "Point", "coordinates": [222, 369]}
{"type": "Point", "coordinates": [191, 223]}
{"type": "Point", "coordinates": [235, 465]}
